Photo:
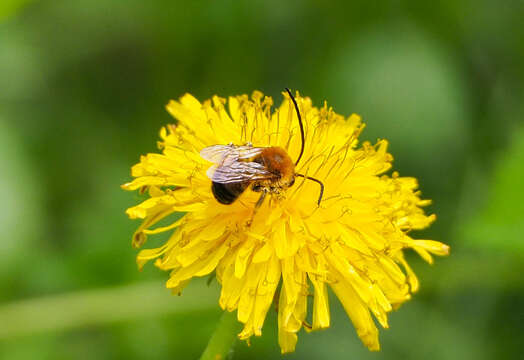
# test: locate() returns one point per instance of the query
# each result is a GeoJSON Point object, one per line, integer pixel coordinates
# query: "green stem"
{"type": "Point", "coordinates": [99, 307]}
{"type": "Point", "coordinates": [223, 339]}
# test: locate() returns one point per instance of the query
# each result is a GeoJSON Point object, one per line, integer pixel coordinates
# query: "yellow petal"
{"type": "Point", "coordinates": [359, 315]}
{"type": "Point", "coordinates": [321, 318]}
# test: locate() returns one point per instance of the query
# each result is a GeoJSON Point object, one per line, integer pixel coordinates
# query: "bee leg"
{"type": "Point", "coordinates": [260, 200]}
{"type": "Point", "coordinates": [257, 205]}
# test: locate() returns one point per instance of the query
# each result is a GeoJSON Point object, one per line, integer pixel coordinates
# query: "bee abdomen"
{"type": "Point", "coordinates": [227, 193]}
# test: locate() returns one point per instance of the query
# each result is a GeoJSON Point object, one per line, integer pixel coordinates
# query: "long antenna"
{"type": "Point", "coordinates": [318, 182]}
{"type": "Point", "coordinates": [301, 126]}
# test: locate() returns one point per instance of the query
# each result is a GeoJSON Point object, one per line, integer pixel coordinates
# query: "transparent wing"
{"type": "Point", "coordinates": [232, 164]}
{"type": "Point", "coordinates": [239, 171]}
{"type": "Point", "coordinates": [218, 153]}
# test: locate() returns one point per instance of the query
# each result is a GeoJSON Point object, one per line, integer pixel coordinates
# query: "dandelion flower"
{"type": "Point", "coordinates": [352, 242]}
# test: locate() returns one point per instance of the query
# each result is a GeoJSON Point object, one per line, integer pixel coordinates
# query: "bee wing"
{"type": "Point", "coordinates": [248, 152]}
{"type": "Point", "coordinates": [231, 165]}
{"type": "Point", "coordinates": [216, 153]}
{"type": "Point", "coordinates": [239, 171]}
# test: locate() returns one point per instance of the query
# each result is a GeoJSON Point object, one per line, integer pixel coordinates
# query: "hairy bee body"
{"type": "Point", "coordinates": [264, 169]}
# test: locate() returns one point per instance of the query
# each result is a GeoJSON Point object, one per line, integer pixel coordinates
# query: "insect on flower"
{"type": "Point", "coordinates": [268, 170]}
{"type": "Point", "coordinates": [344, 226]}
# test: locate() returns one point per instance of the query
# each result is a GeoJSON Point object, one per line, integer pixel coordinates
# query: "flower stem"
{"type": "Point", "coordinates": [223, 339]}
{"type": "Point", "coordinates": [98, 307]}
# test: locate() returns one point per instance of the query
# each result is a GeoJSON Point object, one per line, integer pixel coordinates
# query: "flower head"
{"type": "Point", "coordinates": [290, 247]}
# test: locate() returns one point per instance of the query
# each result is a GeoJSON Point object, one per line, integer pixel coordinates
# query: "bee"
{"type": "Point", "coordinates": [268, 170]}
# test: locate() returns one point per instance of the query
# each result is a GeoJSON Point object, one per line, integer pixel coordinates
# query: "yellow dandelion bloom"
{"type": "Point", "coordinates": [291, 247]}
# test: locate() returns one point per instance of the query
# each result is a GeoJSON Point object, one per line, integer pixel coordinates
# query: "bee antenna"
{"type": "Point", "coordinates": [318, 182]}
{"type": "Point", "coordinates": [301, 126]}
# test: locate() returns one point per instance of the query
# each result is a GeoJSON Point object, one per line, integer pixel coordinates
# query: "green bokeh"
{"type": "Point", "coordinates": [84, 84]}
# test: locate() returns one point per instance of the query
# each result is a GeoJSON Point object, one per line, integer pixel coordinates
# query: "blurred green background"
{"type": "Point", "coordinates": [82, 95]}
